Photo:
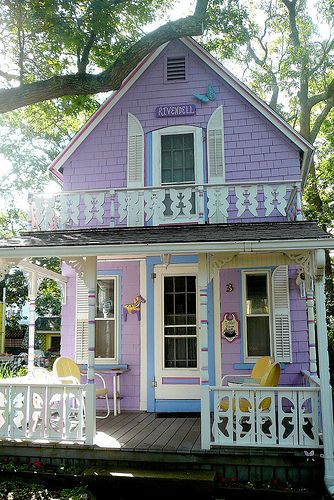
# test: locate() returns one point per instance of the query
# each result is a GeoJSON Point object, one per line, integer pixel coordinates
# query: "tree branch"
{"type": "Point", "coordinates": [320, 119]}
{"type": "Point", "coordinates": [112, 77]}
{"type": "Point", "coordinates": [84, 59]}
{"type": "Point", "coordinates": [323, 96]}
{"type": "Point", "coordinates": [8, 76]}
{"type": "Point", "coordinates": [294, 35]}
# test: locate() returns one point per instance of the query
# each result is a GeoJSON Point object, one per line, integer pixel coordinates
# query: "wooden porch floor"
{"type": "Point", "coordinates": [149, 432]}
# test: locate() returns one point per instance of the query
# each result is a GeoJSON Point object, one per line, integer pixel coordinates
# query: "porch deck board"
{"type": "Point", "coordinates": [142, 431]}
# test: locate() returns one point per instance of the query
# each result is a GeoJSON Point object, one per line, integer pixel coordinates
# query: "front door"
{"type": "Point", "coordinates": [177, 374]}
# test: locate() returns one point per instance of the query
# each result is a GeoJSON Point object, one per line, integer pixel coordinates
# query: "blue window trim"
{"type": "Point", "coordinates": [112, 273]}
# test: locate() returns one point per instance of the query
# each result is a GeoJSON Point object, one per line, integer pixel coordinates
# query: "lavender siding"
{"type": "Point", "coordinates": [130, 330]}
{"type": "Point", "coordinates": [254, 149]}
{"type": "Point", "coordinates": [232, 352]}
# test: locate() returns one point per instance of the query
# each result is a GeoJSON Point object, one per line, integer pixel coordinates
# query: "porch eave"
{"type": "Point", "coordinates": [153, 249]}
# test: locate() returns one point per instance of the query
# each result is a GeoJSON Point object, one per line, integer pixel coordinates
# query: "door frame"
{"type": "Point", "coordinates": [175, 389]}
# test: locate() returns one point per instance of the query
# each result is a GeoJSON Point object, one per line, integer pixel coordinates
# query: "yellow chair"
{"type": "Point", "coordinates": [254, 378]}
{"type": "Point", "coordinates": [269, 379]}
{"type": "Point", "coordinates": [68, 372]}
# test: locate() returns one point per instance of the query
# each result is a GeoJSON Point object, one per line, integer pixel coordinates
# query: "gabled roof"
{"type": "Point", "coordinates": [216, 66]}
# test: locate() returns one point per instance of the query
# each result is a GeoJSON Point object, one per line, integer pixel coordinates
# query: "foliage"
{"type": "Point", "coordinates": [20, 490]}
{"type": "Point", "coordinates": [10, 369]}
{"type": "Point", "coordinates": [11, 221]}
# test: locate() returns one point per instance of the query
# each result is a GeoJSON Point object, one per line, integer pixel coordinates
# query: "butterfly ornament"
{"type": "Point", "coordinates": [209, 96]}
{"type": "Point", "coordinates": [309, 455]}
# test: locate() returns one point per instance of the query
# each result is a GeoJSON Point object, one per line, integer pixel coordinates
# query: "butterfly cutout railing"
{"type": "Point", "coordinates": [167, 205]}
{"type": "Point", "coordinates": [285, 417]}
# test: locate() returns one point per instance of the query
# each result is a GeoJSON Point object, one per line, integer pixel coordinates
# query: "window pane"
{"type": "Point", "coordinates": [256, 294]}
{"type": "Point", "coordinates": [177, 158]}
{"type": "Point", "coordinates": [105, 339]}
{"type": "Point", "coordinates": [105, 298]}
{"type": "Point", "coordinates": [258, 337]}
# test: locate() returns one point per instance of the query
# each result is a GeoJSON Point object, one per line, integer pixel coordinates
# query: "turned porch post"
{"type": "Point", "coordinates": [325, 386]}
{"type": "Point", "coordinates": [89, 277]}
{"type": "Point", "coordinates": [204, 350]}
{"type": "Point", "coordinates": [32, 293]}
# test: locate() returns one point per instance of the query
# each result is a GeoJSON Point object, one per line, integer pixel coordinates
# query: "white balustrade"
{"type": "Point", "coordinates": [49, 412]}
{"type": "Point", "coordinates": [166, 205]}
{"type": "Point", "coordinates": [246, 416]}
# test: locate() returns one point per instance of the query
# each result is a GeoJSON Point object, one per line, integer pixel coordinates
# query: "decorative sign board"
{"type": "Point", "coordinates": [230, 326]}
{"type": "Point", "coordinates": [175, 110]}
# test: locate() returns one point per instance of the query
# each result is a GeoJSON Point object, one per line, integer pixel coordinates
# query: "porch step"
{"type": "Point", "coordinates": [150, 483]}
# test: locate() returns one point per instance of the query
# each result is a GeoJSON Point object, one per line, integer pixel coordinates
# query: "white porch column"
{"type": "Point", "coordinates": [32, 293]}
{"type": "Point", "coordinates": [204, 349]}
{"type": "Point", "coordinates": [90, 281]}
{"type": "Point", "coordinates": [325, 387]}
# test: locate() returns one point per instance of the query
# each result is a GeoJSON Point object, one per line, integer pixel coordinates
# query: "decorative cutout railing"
{"type": "Point", "coordinates": [42, 412]}
{"type": "Point", "coordinates": [162, 205]}
{"type": "Point", "coordinates": [287, 417]}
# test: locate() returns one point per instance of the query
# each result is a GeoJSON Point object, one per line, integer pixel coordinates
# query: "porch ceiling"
{"type": "Point", "coordinates": [240, 237]}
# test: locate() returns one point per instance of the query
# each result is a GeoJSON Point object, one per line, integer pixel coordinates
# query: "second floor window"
{"type": "Point", "coordinates": [177, 158]}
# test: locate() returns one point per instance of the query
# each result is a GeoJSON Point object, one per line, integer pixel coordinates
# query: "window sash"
{"type": "Point", "coordinates": [177, 158]}
{"type": "Point", "coordinates": [251, 351]}
{"type": "Point", "coordinates": [106, 348]}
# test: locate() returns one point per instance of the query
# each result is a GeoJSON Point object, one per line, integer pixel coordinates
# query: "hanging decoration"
{"type": "Point", "coordinates": [209, 96]}
{"type": "Point", "coordinates": [230, 326]}
{"type": "Point", "coordinates": [133, 308]}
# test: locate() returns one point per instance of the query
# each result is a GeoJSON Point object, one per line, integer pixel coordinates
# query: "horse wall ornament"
{"type": "Point", "coordinates": [133, 308]}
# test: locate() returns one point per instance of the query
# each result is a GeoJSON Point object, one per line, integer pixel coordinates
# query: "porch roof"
{"type": "Point", "coordinates": [259, 236]}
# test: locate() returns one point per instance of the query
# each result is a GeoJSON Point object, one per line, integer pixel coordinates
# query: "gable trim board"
{"type": "Point", "coordinates": [216, 66]}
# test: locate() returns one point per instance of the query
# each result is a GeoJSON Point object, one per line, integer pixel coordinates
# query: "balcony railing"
{"type": "Point", "coordinates": [287, 417]}
{"type": "Point", "coordinates": [166, 205]}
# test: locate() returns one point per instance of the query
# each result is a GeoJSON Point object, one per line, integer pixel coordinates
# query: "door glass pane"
{"type": "Point", "coordinates": [258, 337]}
{"type": "Point", "coordinates": [105, 339]}
{"type": "Point", "coordinates": [180, 333]}
{"type": "Point", "coordinates": [256, 294]}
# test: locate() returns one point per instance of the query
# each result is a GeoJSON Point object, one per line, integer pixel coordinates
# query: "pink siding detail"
{"type": "Point", "coordinates": [254, 149]}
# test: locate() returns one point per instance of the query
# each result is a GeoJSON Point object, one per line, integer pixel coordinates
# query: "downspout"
{"type": "Point", "coordinates": [325, 387]}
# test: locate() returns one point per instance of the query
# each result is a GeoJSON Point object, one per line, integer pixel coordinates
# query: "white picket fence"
{"type": "Point", "coordinates": [32, 411]}
{"type": "Point", "coordinates": [243, 416]}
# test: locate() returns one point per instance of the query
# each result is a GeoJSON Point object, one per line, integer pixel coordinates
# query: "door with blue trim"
{"type": "Point", "coordinates": [177, 374]}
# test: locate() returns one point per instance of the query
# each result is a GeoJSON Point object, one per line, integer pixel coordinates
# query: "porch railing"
{"type": "Point", "coordinates": [35, 411]}
{"type": "Point", "coordinates": [287, 417]}
{"type": "Point", "coordinates": [163, 205]}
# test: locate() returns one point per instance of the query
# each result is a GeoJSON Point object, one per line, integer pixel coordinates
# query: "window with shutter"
{"type": "Point", "coordinates": [256, 324]}
{"type": "Point", "coordinates": [215, 145]}
{"type": "Point", "coordinates": [105, 320]}
{"type": "Point", "coordinates": [281, 315]}
{"type": "Point", "coordinates": [135, 152]}
{"type": "Point", "coordinates": [81, 347]}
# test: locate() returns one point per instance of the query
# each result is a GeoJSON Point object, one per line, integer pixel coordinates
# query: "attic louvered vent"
{"type": "Point", "coordinates": [176, 69]}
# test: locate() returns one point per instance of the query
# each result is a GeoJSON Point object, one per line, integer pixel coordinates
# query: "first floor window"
{"type": "Point", "coordinates": [105, 324]}
{"type": "Point", "coordinates": [257, 314]}
{"type": "Point", "coordinates": [180, 331]}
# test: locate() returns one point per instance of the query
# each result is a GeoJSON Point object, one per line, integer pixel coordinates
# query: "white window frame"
{"type": "Point", "coordinates": [198, 153]}
{"type": "Point", "coordinates": [115, 319]}
{"type": "Point", "coordinates": [244, 274]}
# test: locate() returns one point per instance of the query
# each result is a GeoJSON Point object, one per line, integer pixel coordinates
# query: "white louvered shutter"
{"type": "Point", "coordinates": [281, 315]}
{"type": "Point", "coordinates": [215, 142]}
{"type": "Point", "coordinates": [81, 347]}
{"type": "Point", "coordinates": [135, 153]}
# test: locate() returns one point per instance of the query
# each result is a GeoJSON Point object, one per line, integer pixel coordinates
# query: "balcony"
{"type": "Point", "coordinates": [173, 204]}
